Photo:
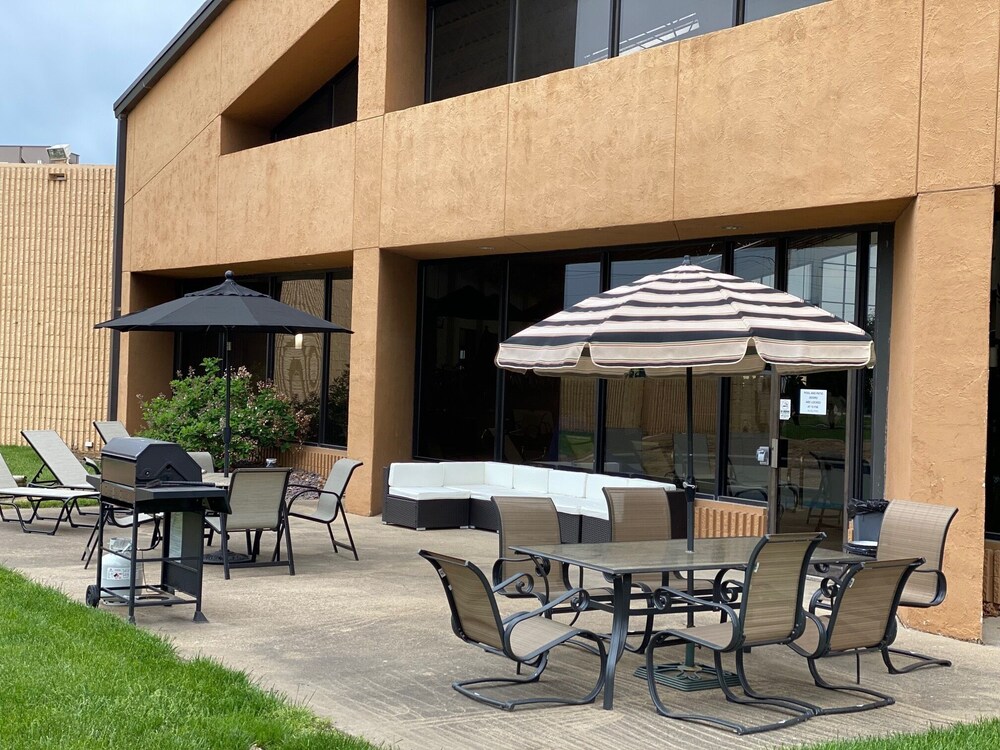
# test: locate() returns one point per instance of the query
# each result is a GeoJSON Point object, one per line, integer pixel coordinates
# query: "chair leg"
{"type": "Point", "coordinates": [921, 662]}
{"type": "Point", "coordinates": [350, 538]}
{"type": "Point", "coordinates": [288, 545]}
{"type": "Point", "coordinates": [224, 539]}
{"type": "Point", "coordinates": [329, 530]}
{"type": "Point", "coordinates": [882, 698]}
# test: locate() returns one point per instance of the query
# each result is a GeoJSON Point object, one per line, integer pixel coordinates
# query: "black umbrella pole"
{"type": "Point", "coordinates": [689, 484]}
{"type": "Point", "coordinates": [227, 432]}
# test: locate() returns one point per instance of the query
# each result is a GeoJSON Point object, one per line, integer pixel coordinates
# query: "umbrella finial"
{"type": "Point", "coordinates": [229, 276]}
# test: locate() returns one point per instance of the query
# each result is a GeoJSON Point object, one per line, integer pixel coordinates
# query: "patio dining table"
{"type": "Point", "coordinates": [619, 561]}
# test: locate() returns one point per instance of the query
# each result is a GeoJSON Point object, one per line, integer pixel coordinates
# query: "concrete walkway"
{"type": "Point", "coordinates": [368, 644]}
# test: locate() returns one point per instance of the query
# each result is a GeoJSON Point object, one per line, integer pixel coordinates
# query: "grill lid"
{"type": "Point", "coordinates": [135, 461]}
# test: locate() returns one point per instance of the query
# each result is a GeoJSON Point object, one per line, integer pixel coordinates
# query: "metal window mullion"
{"type": "Point", "coordinates": [324, 378]}
{"type": "Point", "coordinates": [614, 28]}
{"type": "Point", "coordinates": [429, 55]}
{"type": "Point", "coordinates": [418, 360]}
{"type": "Point", "coordinates": [511, 39]}
{"type": "Point", "coordinates": [501, 389]}
{"type": "Point", "coordinates": [739, 12]}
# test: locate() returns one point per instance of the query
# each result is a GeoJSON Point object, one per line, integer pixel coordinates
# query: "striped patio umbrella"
{"type": "Point", "coordinates": [691, 321]}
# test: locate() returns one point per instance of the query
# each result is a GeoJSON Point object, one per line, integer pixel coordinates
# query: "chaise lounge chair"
{"type": "Point", "coordinates": [111, 430]}
{"type": "Point", "coordinates": [10, 493]}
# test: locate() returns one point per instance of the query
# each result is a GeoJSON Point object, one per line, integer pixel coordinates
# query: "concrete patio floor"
{"type": "Point", "coordinates": [368, 644]}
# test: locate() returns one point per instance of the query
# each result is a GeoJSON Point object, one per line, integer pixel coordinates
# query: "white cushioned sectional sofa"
{"type": "Point", "coordinates": [459, 493]}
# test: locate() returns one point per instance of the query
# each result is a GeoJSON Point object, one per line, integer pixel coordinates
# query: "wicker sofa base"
{"type": "Point", "coordinates": [432, 513]}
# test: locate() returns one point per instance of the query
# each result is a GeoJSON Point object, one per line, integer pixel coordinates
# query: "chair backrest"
{"type": "Point", "coordinates": [864, 608]}
{"type": "Point", "coordinates": [474, 614]}
{"type": "Point", "coordinates": [110, 430]}
{"type": "Point", "coordinates": [771, 611]}
{"type": "Point", "coordinates": [832, 475]}
{"type": "Point", "coordinates": [638, 514]}
{"type": "Point", "coordinates": [256, 497]}
{"type": "Point", "coordinates": [336, 483]}
{"type": "Point", "coordinates": [917, 530]}
{"type": "Point", "coordinates": [526, 521]}
{"type": "Point", "coordinates": [704, 463]}
{"type": "Point", "coordinates": [204, 460]}
{"type": "Point", "coordinates": [6, 478]}
{"type": "Point", "coordinates": [57, 456]}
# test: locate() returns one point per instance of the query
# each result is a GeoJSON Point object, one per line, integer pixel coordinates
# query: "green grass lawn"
{"type": "Point", "coordinates": [22, 459]}
{"type": "Point", "coordinates": [984, 734]}
{"type": "Point", "coordinates": [76, 678]}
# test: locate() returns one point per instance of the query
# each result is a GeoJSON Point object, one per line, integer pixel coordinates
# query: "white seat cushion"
{"type": "Point", "coordinates": [430, 493]}
{"type": "Point", "coordinates": [463, 473]}
{"type": "Point", "coordinates": [566, 503]}
{"type": "Point", "coordinates": [486, 491]}
{"type": "Point", "coordinates": [416, 475]}
{"type": "Point", "coordinates": [497, 474]}
{"type": "Point", "coordinates": [597, 482]}
{"type": "Point", "coordinates": [572, 483]}
{"type": "Point", "coordinates": [591, 506]}
{"type": "Point", "coordinates": [531, 479]}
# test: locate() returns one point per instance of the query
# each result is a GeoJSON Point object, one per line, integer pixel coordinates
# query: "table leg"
{"type": "Point", "coordinates": [619, 630]}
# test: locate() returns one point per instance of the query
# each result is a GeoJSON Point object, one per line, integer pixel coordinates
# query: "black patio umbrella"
{"type": "Point", "coordinates": [222, 309]}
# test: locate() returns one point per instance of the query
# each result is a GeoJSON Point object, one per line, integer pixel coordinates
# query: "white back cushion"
{"type": "Point", "coordinates": [416, 475]}
{"type": "Point", "coordinates": [571, 483]}
{"type": "Point", "coordinates": [498, 475]}
{"type": "Point", "coordinates": [597, 482]}
{"type": "Point", "coordinates": [644, 483]}
{"type": "Point", "coordinates": [531, 479]}
{"type": "Point", "coordinates": [463, 472]}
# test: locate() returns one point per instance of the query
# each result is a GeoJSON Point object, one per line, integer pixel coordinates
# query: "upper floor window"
{"type": "Point", "coordinates": [335, 103]}
{"type": "Point", "coordinates": [478, 44]}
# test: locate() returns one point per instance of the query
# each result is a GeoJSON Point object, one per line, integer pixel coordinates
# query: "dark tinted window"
{"type": "Point", "coordinates": [334, 104]}
{"type": "Point", "coordinates": [650, 23]}
{"type": "Point", "coordinates": [757, 9]}
{"type": "Point", "coordinates": [469, 46]}
{"type": "Point", "coordinates": [559, 34]}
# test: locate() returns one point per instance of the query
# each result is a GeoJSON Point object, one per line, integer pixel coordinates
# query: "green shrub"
{"type": "Point", "coordinates": [262, 419]}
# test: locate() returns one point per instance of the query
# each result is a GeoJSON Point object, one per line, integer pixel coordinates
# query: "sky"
{"type": "Point", "coordinates": [64, 63]}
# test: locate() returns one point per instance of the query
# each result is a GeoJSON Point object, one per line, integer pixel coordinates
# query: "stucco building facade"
{"type": "Point", "coordinates": [845, 150]}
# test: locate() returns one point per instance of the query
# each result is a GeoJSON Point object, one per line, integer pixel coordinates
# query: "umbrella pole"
{"type": "Point", "coordinates": [227, 432]}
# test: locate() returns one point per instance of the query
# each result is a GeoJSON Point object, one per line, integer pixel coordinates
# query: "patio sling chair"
{"type": "Point", "coordinates": [57, 457]}
{"type": "Point", "coordinates": [10, 493]}
{"type": "Point", "coordinates": [916, 530]}
{"type": "Point", "coordinates": [110, 430]}
{"type": "Point", "coordinates": [257, 500]}
{"type": "Point", "coordinates": [526, 521]}
{"type": "Point", "coordinates": [642, 514]}
{"type": "Point", "coordinates": [862, 603]}
{"type": "Point", "coordinates": [526, 638]}
{"type": "Point", "coordinates": [329, 502]}
{"type": "Point", "coordinates": [771, 613]}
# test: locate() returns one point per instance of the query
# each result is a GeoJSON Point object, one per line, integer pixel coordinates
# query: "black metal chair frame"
{"type": "Point", "coordinates": [304, 489]}
{"type": "Point", "coordinates": [538, 659]}
{"type": "Point", "coordinates": [800, 710]}
{"type": "Point", "coordinates": [65, 511]}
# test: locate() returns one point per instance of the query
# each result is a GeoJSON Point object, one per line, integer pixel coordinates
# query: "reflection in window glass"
{"type": "Point", "coordinates": [650, 23]}
{"type": "Point", "coordinates": [338, 389]}
{"type": "Point", "coordinates": [755, 262]}
{"type": "Point", "coordinates": [560, 34]}
{"type": "Point", "coordinates": [867, 375]}
{"type": "Point", "coordinates": [298, 361]}
{"type": "Point", "coordinates": [458, 380]}
{"type": "Point", "coordinates": [650, 262]}
{"type": "Point", "coordinates": [822, 272]}
{"type": "Point", "coordinates": [469, 47]}
{"type": "Point", "coordinates": [757, 9]}
{"type": "Point", "coordinates": [546, 419]}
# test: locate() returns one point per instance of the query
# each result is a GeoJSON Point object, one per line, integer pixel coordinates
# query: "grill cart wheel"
{"type": "Point", "coordinates": [93, 597]}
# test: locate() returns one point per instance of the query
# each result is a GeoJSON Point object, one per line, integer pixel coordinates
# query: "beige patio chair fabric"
{"type": "Point", "coordinates": [527, 521]}
{"type": "Point", "coordinates": [204, 460]}
{"type": "Point", "coordinates": [330, 502]}
{"type": "Point", "coordinates": [110, 430]}
{"type": "Point", "coordinates": [525, 638]}
{"type": "Point", "coordinates": [57, 456]}
{"type": "Point", "coordinates": [861, 619]}
{"type": "Point", "coordinates": [771, 613]}
{"type": "Point", "coordinates": [917, 530]}
{"type": "Point", "coordinates": [257, 501]}
{"type": "Point", "coordinates": [10, 492]}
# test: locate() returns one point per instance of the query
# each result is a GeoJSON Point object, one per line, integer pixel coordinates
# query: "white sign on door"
{"type": "Point", "coordinates": [812, 402]}
{"type": "Point", "coordinates": [785, 409]}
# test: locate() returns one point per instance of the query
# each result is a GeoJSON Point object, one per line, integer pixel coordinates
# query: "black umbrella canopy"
{"type": "Point", "coordinates": [222, 309]}
{"type": "Point", "coordinates": [227, 306]}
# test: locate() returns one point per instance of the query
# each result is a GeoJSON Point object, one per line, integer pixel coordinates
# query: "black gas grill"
{"type": "Point", "coordinates": [153, 477]}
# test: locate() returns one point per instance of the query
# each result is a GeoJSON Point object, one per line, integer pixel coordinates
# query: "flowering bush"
{"type": "Point", "coordinates": [262, 418]}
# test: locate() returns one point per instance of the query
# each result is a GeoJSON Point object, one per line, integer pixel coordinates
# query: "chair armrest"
{"type": "Point", "coordinates": [525, 587]}
{"type": "Point", "coordinates": [92, 465]}
{"type": "Point", "coordinates": [305, 489]}
{"type": "Point", "coordinates": [665, 593]}
{"type": "Point", "coordinates": [580, 595]}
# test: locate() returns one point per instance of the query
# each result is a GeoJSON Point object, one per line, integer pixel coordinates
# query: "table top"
{"type": "Point", "coordinates": [217, 478]}
{"type": "Point", "coordinates": [621, 558]}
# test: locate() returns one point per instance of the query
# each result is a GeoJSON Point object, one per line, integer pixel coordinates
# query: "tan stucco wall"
{"type": "Point", "coordinates": [842, 113]}
{"type": "Point", "coordinates": [938, 370]}
{"type": "Point", "coordinates": [55, 256]}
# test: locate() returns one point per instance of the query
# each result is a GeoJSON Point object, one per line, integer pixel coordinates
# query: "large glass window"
{"type": "Point", "coordinates": [650, 23]}
{"type": "Point", "coordinates": [469, 46]}
{"type": "Point", "coordinates": [559, 34]}
{"type": "Point", "coordinates": [334, 104]}
{"type": "Point", "coordinates": [339, 373]}
{"type": "Point", "coordinates": [298, 360]}
{"type": "Point", "coordinates": [458, 380]}
{"type": "Point", "coordinates": [757, 9]}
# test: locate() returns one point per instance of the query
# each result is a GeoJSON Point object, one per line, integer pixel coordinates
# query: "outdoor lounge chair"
{"type": "Point", "coordinates": [862, 609]}
{"type": "Point", "coordinates": [916, 530]}
{"type": "Point", "coordinates": [204, 460]}
{"type": "Point", "coordinates": [257, 500]}
{"type": "Point", "coordinates": [526, 521]}
{"type": "Point", "coordinates": [526, 638]}
{"type": "Point", "coordinates": [10, 493]}
{"type": "Point", "coordinates": [57, 457]}
{"type": "Point", "coordinates": [110, 430]}
{"type": "Point", "coordinates": [771, 613]}
{"type": "Point", "coordinates": [330, 501]}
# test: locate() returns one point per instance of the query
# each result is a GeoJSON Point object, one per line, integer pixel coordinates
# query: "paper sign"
{"type": "Point", "coordinates": [785, 409]}
{"type": "Point", "coordinates": [812, 402]}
